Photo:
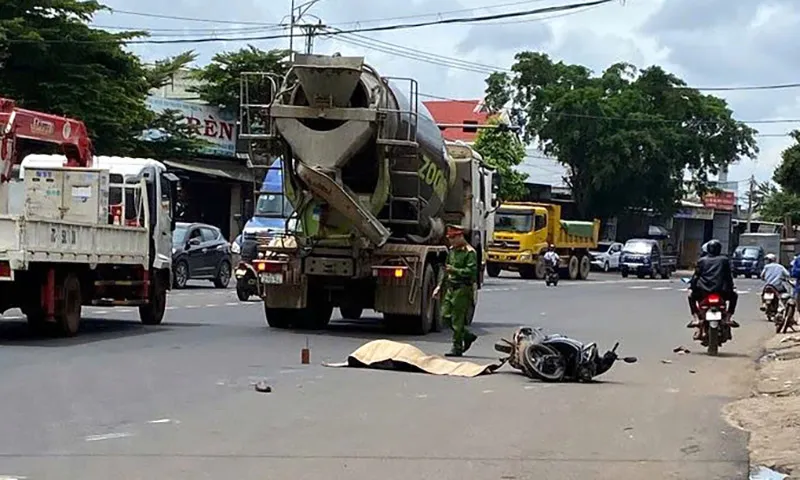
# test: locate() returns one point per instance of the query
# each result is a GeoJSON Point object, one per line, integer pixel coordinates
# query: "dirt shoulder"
{"type": "Point", "coordinates": [772, 412]}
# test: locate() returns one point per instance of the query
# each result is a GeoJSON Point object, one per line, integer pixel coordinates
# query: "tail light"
{"type": "Point", "coordinates": [268, 266]}
{"type": "Point", "coordinates": [390, 271]}
{"type": "Point", "coordinates": [713, 299]}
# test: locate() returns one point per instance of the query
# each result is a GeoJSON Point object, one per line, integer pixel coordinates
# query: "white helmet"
{"type": "Point", "coordinates": [770, 257]}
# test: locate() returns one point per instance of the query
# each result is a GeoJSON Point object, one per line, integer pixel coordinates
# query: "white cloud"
{"type": "Point", "coordinates": [707, 43]}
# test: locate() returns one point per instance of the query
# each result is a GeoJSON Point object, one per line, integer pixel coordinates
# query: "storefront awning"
{"type": "Point", "coordinates": [228, 169]}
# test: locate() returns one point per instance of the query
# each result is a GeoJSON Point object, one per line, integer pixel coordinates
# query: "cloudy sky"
{"type": "Point", "coordinates": [709, 43]}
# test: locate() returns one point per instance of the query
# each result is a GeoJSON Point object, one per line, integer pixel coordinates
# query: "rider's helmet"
{"type": "Point", "coordinates": [551, 247]}
{"type": "Point", "coordinates": [770, 257]}
{"type": "Point", "coordinates": [714, 247]}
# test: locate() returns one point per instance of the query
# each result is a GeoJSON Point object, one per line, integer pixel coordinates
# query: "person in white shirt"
{"type": "Point", "coordinates": [551, 258]}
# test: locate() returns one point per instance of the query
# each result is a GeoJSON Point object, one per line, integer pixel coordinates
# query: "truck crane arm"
{"type": "Point", "coordinates": [71, 135]}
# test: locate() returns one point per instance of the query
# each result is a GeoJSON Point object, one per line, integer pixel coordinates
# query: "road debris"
{"type": "Point", "coordinates": [263, 387]}
{"type": "Point", "coordinates": [665, 361]}
{"type": "Point", "coordinates": [763, 473]}
{"type": "Point", "coordinates": [681, 350]}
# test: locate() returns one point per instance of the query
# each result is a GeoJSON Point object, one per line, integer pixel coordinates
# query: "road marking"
{"type": "Point", "coordinates": [107, 436]}
{"type": "Point", "coordinates": [212, 305]}
{"type": "Point", "coordinates": [639, 287]}
{"type": "Point", "coordinates": [231, 304]}
{"type": "Point", "coordinates": [662, 288]}
{"type": "Point", "coordinates": [160, 420]}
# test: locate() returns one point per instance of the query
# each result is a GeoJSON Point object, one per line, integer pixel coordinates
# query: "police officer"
{"type": "Point", "coordinates": [461, 275]}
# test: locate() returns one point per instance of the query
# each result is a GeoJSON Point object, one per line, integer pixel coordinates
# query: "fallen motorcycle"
{"type": "Point", "coordinates": [555, 358]}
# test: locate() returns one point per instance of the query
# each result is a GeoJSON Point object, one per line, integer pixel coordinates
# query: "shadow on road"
{"type": "Point", "coordinates": [18, 333]}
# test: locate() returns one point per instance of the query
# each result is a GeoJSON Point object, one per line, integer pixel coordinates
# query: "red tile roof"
{"type": "Point", "coordinates": [457, 112]}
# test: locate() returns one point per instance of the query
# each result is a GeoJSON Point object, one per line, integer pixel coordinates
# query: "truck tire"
{"type": "Point", "coordinates": [317, 315]}
{"type": "Point", "coordinates": [68, 307]}
{"type": "Point", "coordinates": [417, 324]}
{"type": "Point", "coordinates": [351, 313]}
{"type": "Point", "coordinates": [573, 267]}
{"type": "Point", "coordinates": [585, 267]}
{"type": "Point", "coordinates": [424, 321]}
{"type": "Point", "coordinates": [540, 270]}
{"type": "Point", "coordinates": [279, 317]}
{"type": "Point", "coordinates": [528, 272]}
{"type": "Point", "coordinates": [666, 273]}
{"type": "Point", "coordinates": [493, 270]}
{"type": "Point", "coordinates": [153, 312]}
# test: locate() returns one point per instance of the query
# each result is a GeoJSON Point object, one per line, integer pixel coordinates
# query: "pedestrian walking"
{"type": "Point", "coordinates": [458, 283]}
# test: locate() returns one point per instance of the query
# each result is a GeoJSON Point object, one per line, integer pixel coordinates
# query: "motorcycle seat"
{"type": "Point", "coordinates": [786, 296]}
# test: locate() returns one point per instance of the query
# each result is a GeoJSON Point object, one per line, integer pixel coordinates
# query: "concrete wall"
{"type": "Point", "coordinates": [722, 229]}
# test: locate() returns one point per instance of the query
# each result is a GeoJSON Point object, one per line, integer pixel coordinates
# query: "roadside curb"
{"type": "Point", "coordinates": [771, 413]}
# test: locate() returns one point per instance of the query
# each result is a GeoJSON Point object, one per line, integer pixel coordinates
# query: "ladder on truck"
{"type": "Point", "coordinates": [405, 161]}
{"type": "Point", "coordinates": [257, 93]}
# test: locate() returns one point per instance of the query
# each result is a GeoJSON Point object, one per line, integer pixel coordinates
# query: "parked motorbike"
{"type": "Point", "coordinates": [555, 358]}
{"type": "Point", "coordinates": [770, 302]}
{"type": "Point", "coordinates": [246, 281]}
{"type": "Point", "coordinates": [551, 275]}
{"type": "Point", "coordinates": [713, 331]}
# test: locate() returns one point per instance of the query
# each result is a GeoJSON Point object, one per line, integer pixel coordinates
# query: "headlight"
{"type": "Point", "coordinates": [174, 250]}
{"type": "Point", "coordinates": [525, 256]}
{"type": "Point", "coordinates": [235, 248]}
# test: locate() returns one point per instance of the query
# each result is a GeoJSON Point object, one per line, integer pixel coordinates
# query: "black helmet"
{"type": "Point", "coordinates": [714, 247]}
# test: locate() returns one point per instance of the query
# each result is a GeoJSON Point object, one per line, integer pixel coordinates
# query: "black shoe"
{"type": "Point", "coordinates": [469, 341]}
{"type": "Point", "coordinates": [454, 353]}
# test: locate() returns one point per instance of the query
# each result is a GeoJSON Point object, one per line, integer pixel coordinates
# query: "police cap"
{"type": "Point", "coordinates": [454, 230]}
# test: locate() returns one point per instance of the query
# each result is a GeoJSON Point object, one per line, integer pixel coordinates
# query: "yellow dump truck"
{"type": "Point", "coordinates": [522, 232]}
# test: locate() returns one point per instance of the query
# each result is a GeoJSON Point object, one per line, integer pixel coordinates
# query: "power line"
{"type": "Point", "coordinates": [381, 28]}
{"type": "Point", "coordinates": [352, 22]}
{"type": "Point", "coordinates": [641, 120]}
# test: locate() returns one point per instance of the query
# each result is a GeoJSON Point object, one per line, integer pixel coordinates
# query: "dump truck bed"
{"type": "Point", "coordinates": [576, 234]}
{"type": "Point", "coordinates": [24, 241]}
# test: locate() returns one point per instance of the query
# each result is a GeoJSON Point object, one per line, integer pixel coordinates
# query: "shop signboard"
{"type": "Point", "coordinates": [216, 127]}
{"type": "Point", "coordinates": [695, 213]}
{"type": "Point", "coordinates": [722, 200]}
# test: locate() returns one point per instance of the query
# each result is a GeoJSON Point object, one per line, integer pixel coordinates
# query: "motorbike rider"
{"type": "Point", "coordinates": [775, 274]}
{"type": "Point", "coordinates": [551, 258]}
{"type": "Point", "coordinates": [712, 275]}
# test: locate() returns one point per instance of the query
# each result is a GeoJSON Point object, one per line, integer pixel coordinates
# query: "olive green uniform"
{"type": "Point", "coordinates": [459, 295]}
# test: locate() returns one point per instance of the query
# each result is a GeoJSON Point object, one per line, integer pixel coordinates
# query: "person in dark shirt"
{"type": "Point", "coordinates": [712, 275]}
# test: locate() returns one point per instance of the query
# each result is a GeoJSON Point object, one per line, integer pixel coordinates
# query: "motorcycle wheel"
{"type": "Point", "coordinates": [242, 294]}
{"type": "Point", "coordinates": [543, 363]}
{"type": "Point", "coordinates": [788, 317]}
{"type": "Point", "coordinates": [713, 341]}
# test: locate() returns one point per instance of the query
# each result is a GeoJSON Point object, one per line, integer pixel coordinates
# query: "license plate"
{"type": "Point", "coordinates": [713, 316]}
{"type": "Point", "coordinates": [272, 278]}
{"type": "Point", "coordinates": [240, 272]}
{"type": "Point", "coordinates": [769, 296]}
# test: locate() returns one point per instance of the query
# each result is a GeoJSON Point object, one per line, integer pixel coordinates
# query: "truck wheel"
{"type": "Point", "coordinates": [584, 268]}
{"type": "Point", "coordinates": [540, 271]}
{"type": "Point", "coordinates": [153, 313]}
{"type": "Point", "coordinates": [493, 270]}
{"type": "Point", "coordinates": [316, 316]}
{"type": "Point", "coordinates": [666, 274]}
{"type": "Point", "coordinates": [68, 308]}
{"type": "Point", "coordinates": [279, 317]}
{"type": "Point", "coordinates": [624, 273]}
{"type": "Point", "coordinates": [573, 268]}
{"type": "Point", "coordinates": [528, 272]}
{"type": "Point", "coordinates": [351, 313]}
{"type": "Point", "coordinates": [424, 322]}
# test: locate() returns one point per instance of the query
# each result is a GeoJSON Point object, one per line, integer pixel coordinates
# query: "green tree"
{"type": "Point", "coordinates": [502, 149]}
{"type": "Point", "coordinates": [220, 79]}
{"type": "Point", "coordinates": [51, 60]}
{"type": "Point", "coordinates": [777, 203]}
{"type": "Point", "coordinates": [625, 136]}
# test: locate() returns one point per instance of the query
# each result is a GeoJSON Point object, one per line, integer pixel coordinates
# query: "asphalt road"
{"type": "Point", "coordinates": [125, 401]}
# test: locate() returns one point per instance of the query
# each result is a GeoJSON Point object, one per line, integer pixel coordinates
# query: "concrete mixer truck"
{"type": "Point", "coordinates": [373, 185]}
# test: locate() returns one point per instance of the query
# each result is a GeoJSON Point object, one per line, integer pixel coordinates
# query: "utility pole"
{"type": "Point", "coordinates": [310, 33]}
{"type": "Point", "coordinates": [750, 201]}
{"type": "Point", "coordinates": [301, 10]}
